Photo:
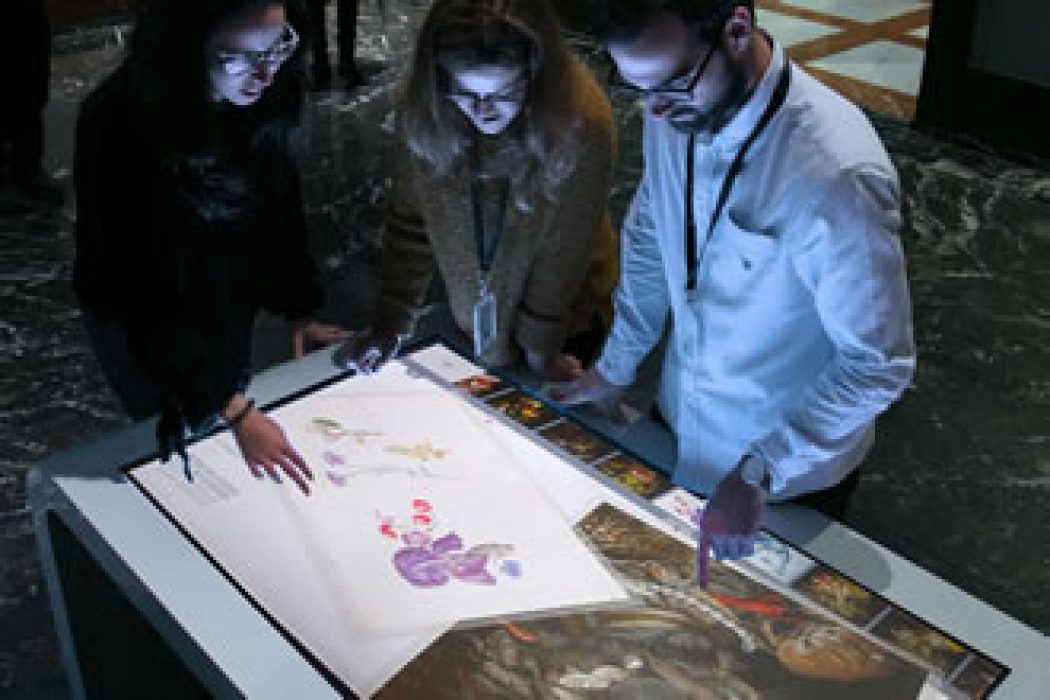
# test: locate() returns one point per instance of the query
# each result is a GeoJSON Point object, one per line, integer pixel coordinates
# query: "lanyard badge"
{"type": "Point", "coordinates": [692, 258]}
{"type": "Point", "coordinates": [485, 315]}
{"type": "Point", "coordinates": [484, 319]}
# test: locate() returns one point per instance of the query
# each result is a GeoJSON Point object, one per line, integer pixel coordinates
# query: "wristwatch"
{"type": "Point", "coordinates": [754, 471]}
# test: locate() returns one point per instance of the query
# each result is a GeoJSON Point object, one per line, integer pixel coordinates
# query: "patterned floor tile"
{"type": "Point", "coordinates": [882, 63]}
{"type": "Point", "coordinates": [792, 30]}
{"type": "Point", "coordinates": [859, 10]}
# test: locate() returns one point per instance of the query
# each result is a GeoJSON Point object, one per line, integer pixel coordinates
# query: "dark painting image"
{"type": "Point", "coordinates": [634, 476]}
{"type": "Point", "coordinates": [481, 385]}
{"type": "Point", "coordinates": [836, 593]}
{"type": "Point", "coordinates": [914, 636]}
{"type": "Point", "coordinates": [577, 441]}
{"type": "Point", "coordinates": [736, 639]}
{"type": "Point", "coordinates": [523, 409]}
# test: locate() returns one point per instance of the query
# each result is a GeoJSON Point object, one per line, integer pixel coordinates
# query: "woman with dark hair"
{"type": "Point", "coordinates": [501, 176]}
{"type": "Point", "coordinates": [190, 218]}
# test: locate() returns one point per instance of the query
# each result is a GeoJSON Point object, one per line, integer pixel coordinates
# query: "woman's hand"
{"type": "Point", "coordinates": [265, 447]}
{"type": "Point", "coordinates": [367, 352]}
{"type": "Point", "coordinates": [311, 335]}
{"type": "Point", "coordinates": [592, 388]}
{"type": "Point", "coordinates": [554, 368]}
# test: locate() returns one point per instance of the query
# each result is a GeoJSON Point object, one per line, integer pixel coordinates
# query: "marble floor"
{"type": "Point", "coordinates": [960, 475]}
{"type": "Point", "coordinates": [872, 52]}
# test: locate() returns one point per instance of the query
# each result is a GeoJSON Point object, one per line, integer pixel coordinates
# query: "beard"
{"type": "Point", "coordinates": [709, 121]}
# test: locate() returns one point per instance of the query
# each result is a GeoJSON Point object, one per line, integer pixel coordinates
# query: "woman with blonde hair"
{"type": "Point", "coordinates": [502, 170]}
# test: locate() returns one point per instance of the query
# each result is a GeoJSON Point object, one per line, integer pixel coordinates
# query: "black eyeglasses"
{"type": "Point", "coordinates": [677, 88]}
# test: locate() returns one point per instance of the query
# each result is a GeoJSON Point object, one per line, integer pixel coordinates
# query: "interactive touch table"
{"type": "Point", "coordinates": [464, 538]}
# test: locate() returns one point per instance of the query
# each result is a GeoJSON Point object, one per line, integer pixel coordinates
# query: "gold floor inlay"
{"type": "Point", "coordinates": [877, 64]}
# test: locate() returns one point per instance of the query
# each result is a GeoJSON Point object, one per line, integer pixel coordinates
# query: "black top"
{"type": "Point", "coordinates": [182, 249]}
{"type": "Point", "coordinates": [25, 54]}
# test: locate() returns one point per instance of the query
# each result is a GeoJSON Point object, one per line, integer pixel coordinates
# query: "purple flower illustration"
{"type": "Point", "coordinates": [333, 458]}
{"type": "Point", "coordinates": [421, 567]}
{"type": "Point", "coordinates": [511, 568]}
{"type": "Point", "coordinates": [416, 539]}
{"type": "Point", "coordinates": [471, 569]}
{"type": "Point", "coordinates": [447, 544]}
{"type": "Point", "coordinates": [443, 560]}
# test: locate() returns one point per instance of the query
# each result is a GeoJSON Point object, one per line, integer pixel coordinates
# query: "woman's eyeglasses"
{"type": "Point", "coordinates": [244, 61]}
{"type": "Point", "coordinates": [472, 100]}
{"type": "Point", "coordinates": [678, 88]}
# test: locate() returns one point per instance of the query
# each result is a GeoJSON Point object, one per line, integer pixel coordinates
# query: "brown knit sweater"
{"type": "Point", "coordinates": [555, 267]}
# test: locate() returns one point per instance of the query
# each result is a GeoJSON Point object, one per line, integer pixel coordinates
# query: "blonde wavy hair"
{"type": "Point", "coordinates": [537, 151]}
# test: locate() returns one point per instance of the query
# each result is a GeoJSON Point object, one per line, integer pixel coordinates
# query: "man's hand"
{"type": "Point", "coordinates": [728, 524]}
{"type": "Point", "coordinates": [554, 368]}
{"type": "Point", "coordinates": [592, 388]}
{"type": "Point", "coordinates": [266, 449]}
{"type": "Point", "coordinates": [311, 335]}
{"type": "Point", "coordinates": [367, 352]}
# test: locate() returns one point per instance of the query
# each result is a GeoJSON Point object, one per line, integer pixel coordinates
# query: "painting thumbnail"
{"type": "Point", "coordinates": [635, 476]}
{"type": "Point", "coordinates": [834, 592]}
{"type": "Point", "coordinates": [577, 441]}
{"type": "Point", "coordinates": [481, 385]}
{"type": "Point", "coordinates": [523, 409]}
{"type": "Point", "coordinates": [914, 636]}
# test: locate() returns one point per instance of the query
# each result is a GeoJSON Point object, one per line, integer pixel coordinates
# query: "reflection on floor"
{"type": "Point", "coordinates": [870, 51]}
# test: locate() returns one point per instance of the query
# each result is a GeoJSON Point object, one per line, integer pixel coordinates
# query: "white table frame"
{"type": "Point", "coordinates": [233, 651]}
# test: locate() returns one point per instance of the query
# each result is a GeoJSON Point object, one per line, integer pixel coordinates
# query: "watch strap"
{"type": "Point", "coordinates": [754, 471]}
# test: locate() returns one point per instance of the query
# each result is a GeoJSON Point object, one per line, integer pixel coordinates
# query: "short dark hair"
{"type": "Point", "coordinates": [623, 21]}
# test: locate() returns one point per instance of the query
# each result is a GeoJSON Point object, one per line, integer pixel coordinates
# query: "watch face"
{"type": "Point", "coordinates": [752, 470]}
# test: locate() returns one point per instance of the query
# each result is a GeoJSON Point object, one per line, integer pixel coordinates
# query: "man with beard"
{"type": "Point", "coordinates": [766, 225]}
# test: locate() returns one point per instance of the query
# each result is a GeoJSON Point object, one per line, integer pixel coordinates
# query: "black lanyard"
{"type": "Point", "coordinates": [691, 259]}
{"type": "Point", "coordinates": [486, 245]}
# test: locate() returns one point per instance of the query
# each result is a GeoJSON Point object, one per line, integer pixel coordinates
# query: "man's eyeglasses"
{"type": "Point", "coordinates": [678, 88]}
{"type": "Point", "coordinates": [244, 61]}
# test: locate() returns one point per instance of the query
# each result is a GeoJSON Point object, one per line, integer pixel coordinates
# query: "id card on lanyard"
{"type": "Point", "coordinates": [692, 258]}
{"type": "Point", "coordinates": [485, 315]}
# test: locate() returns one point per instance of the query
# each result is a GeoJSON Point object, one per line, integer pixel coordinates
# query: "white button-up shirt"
{"type": "Point", "coordinates": [799, 332]}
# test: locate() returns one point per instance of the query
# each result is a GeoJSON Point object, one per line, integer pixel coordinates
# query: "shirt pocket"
{"type": "Point", "coordinates": [737, 262]}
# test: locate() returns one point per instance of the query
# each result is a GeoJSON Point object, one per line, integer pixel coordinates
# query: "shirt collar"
{"type": "Point", "coordinates": [742, 124]}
